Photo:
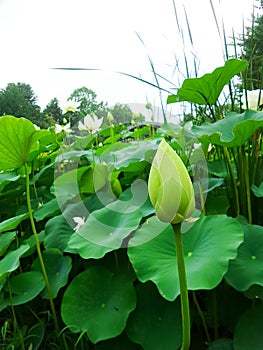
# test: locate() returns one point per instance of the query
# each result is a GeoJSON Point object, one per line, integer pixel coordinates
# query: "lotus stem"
{"type": "Point", "coordinates": [186, 326]}
{"type": "Point", "coordinates": [40, 257]}
{"type": "Point", "coordinates": [232, 175]}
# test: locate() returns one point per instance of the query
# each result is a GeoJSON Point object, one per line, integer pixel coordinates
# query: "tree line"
{"type": "Point", "coordinates": [19, 100]}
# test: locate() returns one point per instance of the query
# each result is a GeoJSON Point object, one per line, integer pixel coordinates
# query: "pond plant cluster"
{"type": "Point", "coordinates": [136, 238]}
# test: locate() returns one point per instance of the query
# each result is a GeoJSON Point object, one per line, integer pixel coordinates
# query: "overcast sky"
{"type": "Point", "coordinates": [39, 35]}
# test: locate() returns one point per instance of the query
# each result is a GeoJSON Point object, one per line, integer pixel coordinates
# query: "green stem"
{"type": "Point", "coordinates": [248, 195]}
{"type": "Point", "coordinates": [202, 202]}
{"type": "Point", "coordinates": [40, 257]}
{"type": "Point", "coordinates": [16, 328]}
{"type": "Point", "coordinates": [112, 134]}
{"type": "Point", "coordinates": [186, 326]}
{"type": "Point", "coordinates": [201, 314]}
{"type": "Point", "coordinates": [232, 175]}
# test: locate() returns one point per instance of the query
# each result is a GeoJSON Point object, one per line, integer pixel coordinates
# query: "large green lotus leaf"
{"type": "Point", "coordinates": [60, 228]}
{"type": "Point", "coordinates": [48, 209]}
{"type": "Point", "coordinates": [105, 229]}
{"type": "Point", "coordinates": [5, 240]}
{"type": "Point", "coordinates": [232, 131]}
{"type": "Point", "coordinates": [135, 152]}
{"type": "Point", "coordinates": [206, 90]}
{"type": "Point", "coordinates": [12, 223]}
{"type": "Point", "coordinates": [99, 303]}
{"type": "Point", "coordinates": [11, 261]}
{"type": "Point", "coordinates": [67, 184]}
{"type": "Point", "coordinates": [17, 137]}
{"type": "Point", "coordinates": [155, 323]}
{"type": "Point", "coordinates": [25, 286]}
{"type": "Point", "coordinates": [247, 268]}
{"type": "Point", "coordinates": [208, 246]}
{"type": "Point", "coordinates": [58, 233]}
{"type": "Point", "coordinates": [248, 333]}
{"type": "Point", "coordinates": [58, 268]}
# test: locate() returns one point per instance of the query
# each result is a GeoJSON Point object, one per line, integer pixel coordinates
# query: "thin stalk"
{"type": "Point", "coordinates": [248, 195]}
{"type": "Point", "coordinates": [232, 175]}
{"type": "Point", "coordinates": [41, 261]}
{"type": "Point", "coordinates": [202, 202]}
{"type": "Point", "coordinates": [201, 314]}
{"type": "Point", "coordinates": [186, 326]}
{"type": "Point", "coordinates": [16, 328]}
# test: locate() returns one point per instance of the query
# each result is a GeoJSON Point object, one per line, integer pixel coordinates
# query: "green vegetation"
{"type": "Point", "coordinates": [101, 245]}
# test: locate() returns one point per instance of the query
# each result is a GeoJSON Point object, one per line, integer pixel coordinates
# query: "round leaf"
{"type": "Point", "coordinates": [25, 286]}
{"type": "Point", "coordinates": [57, 267]}
{"type": "Point", "coordinates": [233, 130]}
{"type": "Point", "coordinates": [105, 229]}
{"type": "Point", "coordinates": [11, 261]}
{"type": "Point", "coordinates": [17, 136]}
{"type": "Point", "coordinates": [154, 320]}
{"type": "Point", "coordinates": [208, 246]}
{"type": "Point", "coordinates": [248, 332]}
{"type": "Point", "coordinates": [247, 268]}
{"type": "Point", "coordinates": [99, 303]}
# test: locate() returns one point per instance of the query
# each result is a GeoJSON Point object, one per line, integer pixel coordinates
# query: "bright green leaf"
{"type": "Point", "coordinates": [50, 208]}
{"type": "Point", "coordinates": [99, 303]}
{"type": "Point", "coordinates": [5, 240]}
{"type": "Point", "coordinates": [206, 90]}
{"type": "Point", "coordinates": [208, 246]}
{"type": "Point", "coordinates": [11, 261]}
{"type": "Point", "coordinates": [12, 223]}
{"type": "Point", "coordinates": [17, 137]}
{"type": "Point", "coordinates": [232, 131]}
{"type": "Point", "coordinates": [105, 229]}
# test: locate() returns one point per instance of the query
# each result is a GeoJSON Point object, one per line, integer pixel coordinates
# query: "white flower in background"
{"type": "Point", "coordinates": [60, 128]}
{"type": "Point", "coordinates": [36, 127]}
{"type": "Point", "coordinates": [90, 123]}
{"type": "Point", "coordinates": [252, 99]}
{"type": "Point", "coordinates": [69, 106]}
{"type": "Point", "coordinates": [79, 221]}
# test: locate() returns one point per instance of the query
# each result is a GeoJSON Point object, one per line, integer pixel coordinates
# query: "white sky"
{"type": "Point", "coordinates": [38, 35]}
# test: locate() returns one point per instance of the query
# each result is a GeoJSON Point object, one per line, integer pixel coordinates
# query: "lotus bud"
{"type": "Point", "coordinates": [170, 188]}
{"type": "Point", "coordinates": [110, 117]}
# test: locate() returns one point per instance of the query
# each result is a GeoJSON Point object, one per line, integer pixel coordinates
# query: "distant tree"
{"type": "Point", "coordinates": [122, 113]}
{"type": "Point", "coordinates": [88, 104]}
{"type": "Point", "coordinates": [53, 110]}
{"type": "Point", "coordinates": [252, 45]}
{"type": "Point", "coordinates": [138, 118]}
{"type": "Point", "coordinates": [19, 100]}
